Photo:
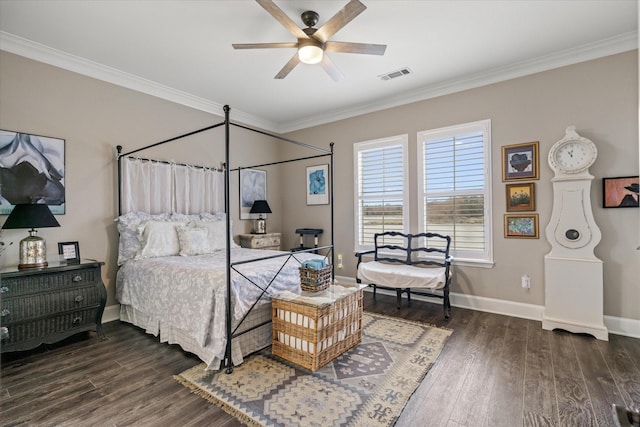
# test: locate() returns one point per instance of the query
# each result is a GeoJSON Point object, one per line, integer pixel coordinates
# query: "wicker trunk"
{"type": "Point", "coordinates": [312, 329]}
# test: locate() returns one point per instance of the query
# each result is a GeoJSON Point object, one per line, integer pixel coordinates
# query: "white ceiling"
{"type": "Point", "coordinates": [181, 50]}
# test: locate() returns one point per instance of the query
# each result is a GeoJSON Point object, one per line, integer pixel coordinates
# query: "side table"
{"type": "Point", "coordinates": [315, 232]}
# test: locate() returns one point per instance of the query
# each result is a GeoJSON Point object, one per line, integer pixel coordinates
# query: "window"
{"type": "Point", "coordinates": [455, 189]}
{"type": "Point", "coordinates": [381, 202]}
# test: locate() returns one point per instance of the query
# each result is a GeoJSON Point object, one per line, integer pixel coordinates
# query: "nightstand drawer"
{"type": "Point", "coordinates": [44, 304]}
{"type": "Point", "coordinates": [24, 335]}
{"type": "Point", "coordinates": [266, 242]}
{"type": "Point", "coordinates": [34, 283]}
{"type": "Point", "coordinates": [260, 241]}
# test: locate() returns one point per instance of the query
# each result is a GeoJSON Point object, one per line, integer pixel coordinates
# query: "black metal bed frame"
{"type": "Point", "coordinates": [232, 333]}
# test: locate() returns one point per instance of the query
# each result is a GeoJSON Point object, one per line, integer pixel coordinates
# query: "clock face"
{"type": "Point", "coordinates": [573, 156]}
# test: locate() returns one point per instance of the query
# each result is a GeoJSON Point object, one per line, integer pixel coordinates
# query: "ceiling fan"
{"type": "Point", "coordinates": [313, 43]}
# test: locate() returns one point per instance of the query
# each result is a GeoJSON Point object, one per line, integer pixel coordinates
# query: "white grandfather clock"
{"type": "Point", "coordinates": [572, 273]}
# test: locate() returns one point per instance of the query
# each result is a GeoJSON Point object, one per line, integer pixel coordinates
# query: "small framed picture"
{"type": "Point", "coordinates": [318, 185]}
{"type": "Point", "coordinates": [520, 161]}
{"type": "Point", "coordinates": [523, 226]}
{"type": "Point", "coordinates": [621, 192]}
{"type": "Point", "coordinates": [69, 252]}
{"type": "Point", "coordinates": [521, 197]}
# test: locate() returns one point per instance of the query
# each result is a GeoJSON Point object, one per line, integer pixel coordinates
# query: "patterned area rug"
{"type": "Point", "coordinates": [368, 385]}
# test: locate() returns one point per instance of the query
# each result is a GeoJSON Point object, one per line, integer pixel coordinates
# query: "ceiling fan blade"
{"type": "Point", "coordinates": [346, 47]}
{"type": "Point", "coordinates": [282, 17]}
{"type": "Point", "coordinates": [263, 45]}
{"type": "Point", "coordinates": [288, 67]}
{"type": "Point", "coordinates": [331, 69]}
{"type": "Point", "coordinates": [339, 20]}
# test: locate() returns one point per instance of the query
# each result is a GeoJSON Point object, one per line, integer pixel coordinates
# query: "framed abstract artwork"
{"type": "Point", "coordinates": [31, 171]}
{"type": "Point", "coordinates": [520, 161]}
{"type": "Point", "coordinates": [318, 185]}
{"type": "Point", "coordinates": [621, 192]}
{"type": "Point", "coordinates": [253, 186]}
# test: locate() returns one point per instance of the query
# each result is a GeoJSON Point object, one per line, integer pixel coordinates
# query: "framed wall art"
{"type": "Point", "coordinates": [318, 185]}
{"type": "Point", "coordinates": [520, 161]}
{"type": "Point", "coordinates": [253, 186]}
{"type": "Point", "coordinates": [32, 171]}
{"type": "Point", "coordinates": [521, 197]}
{"type": "Point", "coordinates": [69, 252]}
{"type": "Point", "coordinates": [523, 226]}
{"type": "Point", "coordinates": [621, 192]}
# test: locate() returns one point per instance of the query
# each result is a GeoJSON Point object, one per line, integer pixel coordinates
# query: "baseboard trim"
{"type": "Point", "coordinates": [615, 325]}
{"type": "Point", "coordinates": [623, 326]}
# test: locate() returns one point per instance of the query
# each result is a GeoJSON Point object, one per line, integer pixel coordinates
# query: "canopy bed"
{"type": "Point", "coordinates": [181, 276]}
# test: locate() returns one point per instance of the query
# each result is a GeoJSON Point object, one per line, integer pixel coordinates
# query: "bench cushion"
{"type": "Point", "coordinates": [401, 275]}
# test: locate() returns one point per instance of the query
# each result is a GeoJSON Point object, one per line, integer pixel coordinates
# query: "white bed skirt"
{"type": "Point", "coordinates": [241, 346]}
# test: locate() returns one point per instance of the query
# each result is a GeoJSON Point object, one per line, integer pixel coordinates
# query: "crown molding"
{"type": "Point", "coordinates": [42, 53]}
{"type": "Point", "coordinates": [611, 46]}
{"type": "Point", "coordinates": [45, 54]}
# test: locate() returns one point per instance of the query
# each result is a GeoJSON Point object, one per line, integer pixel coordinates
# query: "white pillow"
{"type": "Point", "coordinates": [129, 244]}
{"type": "Point", "coordinates": [216, 234]}
{"type": "Point", "coordinates": [193, 240]}
{"type": "Point", "coordinates": [159, 238]}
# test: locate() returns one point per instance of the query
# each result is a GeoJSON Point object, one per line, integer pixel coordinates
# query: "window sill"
{"type": "Point", "coordinates": [479, 263]}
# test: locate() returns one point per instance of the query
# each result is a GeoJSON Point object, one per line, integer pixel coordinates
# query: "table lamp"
{"type": "Point", "coordinates": [33, 249]}
{"type": "Point", "coordinates": [260, 207]}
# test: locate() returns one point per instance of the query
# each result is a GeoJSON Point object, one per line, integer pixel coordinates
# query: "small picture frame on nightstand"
{"type": "Point", "coordinates": [69, 252]}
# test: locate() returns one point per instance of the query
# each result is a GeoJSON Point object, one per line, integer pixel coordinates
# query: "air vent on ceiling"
{"type": "Point", "coordinates": [394, 74]}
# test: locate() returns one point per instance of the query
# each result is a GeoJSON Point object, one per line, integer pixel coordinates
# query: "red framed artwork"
{"type": "Point", "coordinates": [620, 192]}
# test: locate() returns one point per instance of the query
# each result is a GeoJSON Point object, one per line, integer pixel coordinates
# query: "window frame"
{"type": "Point", "coordinates": [397, 140]}
{"type": "Point", "coordinates": [482, 126]}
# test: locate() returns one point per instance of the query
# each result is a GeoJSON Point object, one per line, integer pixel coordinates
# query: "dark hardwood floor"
{"type": "Point", "coordinates": [494, 371]}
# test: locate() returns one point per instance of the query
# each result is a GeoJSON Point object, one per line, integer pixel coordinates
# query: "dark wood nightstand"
{"type": "Point", "coordinates": [46, 305]}
{"type": "Point", "coordinates": [260, 241]}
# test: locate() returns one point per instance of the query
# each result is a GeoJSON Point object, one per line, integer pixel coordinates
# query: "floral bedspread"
{"type": "Point", "coordinates": [190, 292]}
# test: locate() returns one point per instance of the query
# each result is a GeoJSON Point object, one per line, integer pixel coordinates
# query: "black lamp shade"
{"type": "Point", "coordinates": [260, 207]}
{"type": "Point", "coordinates": [30, 216]}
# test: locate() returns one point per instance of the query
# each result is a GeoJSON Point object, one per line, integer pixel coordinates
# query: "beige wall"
{"type": "Point", "coordinates": [598, 97]}
{"type": "Point", "coordinates": [93, 117]}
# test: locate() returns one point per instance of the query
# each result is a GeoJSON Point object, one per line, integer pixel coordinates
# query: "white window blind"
{"type": "Point", "coordinates": [455, 191]}
{"type": "Point", "coordinates": [381, 181]}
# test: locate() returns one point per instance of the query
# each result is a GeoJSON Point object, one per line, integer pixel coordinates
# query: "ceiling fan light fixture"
{"type": "Point", "coordinates": [311, 41]}
{"type": "Point", "coordinates": [310, 54]}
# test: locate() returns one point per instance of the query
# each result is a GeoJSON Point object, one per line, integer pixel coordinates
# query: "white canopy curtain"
{"type": "Point", "coordinates": [169, 187]}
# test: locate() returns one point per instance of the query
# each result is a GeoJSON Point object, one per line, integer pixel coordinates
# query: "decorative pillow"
{"type": "Point", "coordinates": [193, 240]}
{"type": "Point", "coordinates": [215, 233]}
{"type": "Point", "coordinates": [159, 238]}
{"type": "Point", "coordinates": [129, 243]}
{"type": "Point", "coordinates": [217, 236]}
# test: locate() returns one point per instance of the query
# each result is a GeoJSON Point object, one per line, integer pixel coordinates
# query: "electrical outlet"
{"type": "Point", "coordinates": [526, 281]}
{"type": "Point", "coordinates": [339, 261]}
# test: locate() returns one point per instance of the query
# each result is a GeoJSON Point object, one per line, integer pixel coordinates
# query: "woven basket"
{"type": "Point", "coordinates": [310, 336]}
{"type": "Point", "coordinates": [315, 280]}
